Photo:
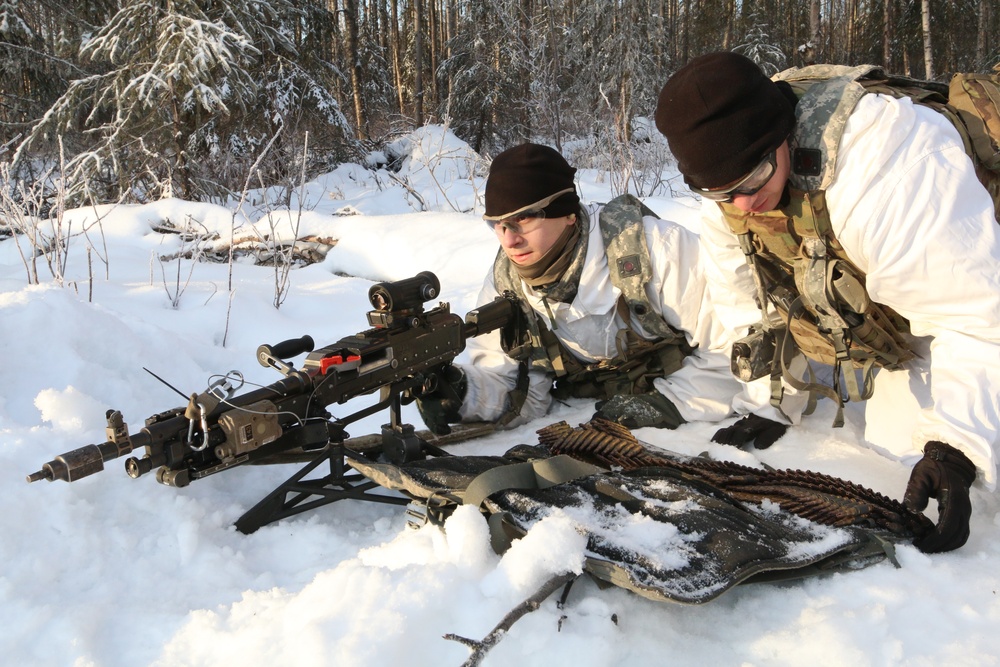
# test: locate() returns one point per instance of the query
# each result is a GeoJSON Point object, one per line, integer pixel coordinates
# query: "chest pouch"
{"type": "Point", "coordinates": [813, 302]}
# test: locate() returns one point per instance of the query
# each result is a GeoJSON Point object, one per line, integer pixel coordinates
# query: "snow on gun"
{"type": "Point", "coordinates": [401, 354]}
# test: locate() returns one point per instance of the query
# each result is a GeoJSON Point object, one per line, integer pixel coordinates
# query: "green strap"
{"type": "Point", "coordinates": [516, 397]}
{"type": "Point", "coordinates": [630, 265]}
{"type": "Point", "coordinates": [855, 392]}
{"type": "Point", "coordinates": [812, 387]}
{"type": "Point", "coordinates": [540, 474]}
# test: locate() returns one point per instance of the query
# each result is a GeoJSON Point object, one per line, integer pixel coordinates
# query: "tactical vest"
{"type": "Point", "coordinates": [822, 307]}
{"type": "Point", "coordinates": [639, 360]}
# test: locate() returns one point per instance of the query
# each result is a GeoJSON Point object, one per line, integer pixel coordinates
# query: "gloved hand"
{"type": "Point", "coordinates": [640, 410]}
{"type": "Point", "coordinates": [761, 430]}
{"type": "Point", "coordinates": [944, 473]}
{"type": "Point", "coordinates": [439, 407]}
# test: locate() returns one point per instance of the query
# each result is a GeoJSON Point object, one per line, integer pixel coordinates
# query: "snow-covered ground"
{"type": "Point", "coordinates": [109, 571]}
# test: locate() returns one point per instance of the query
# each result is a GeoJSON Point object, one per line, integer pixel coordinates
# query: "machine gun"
{"type": "Point", "coordinates": [401, 357]}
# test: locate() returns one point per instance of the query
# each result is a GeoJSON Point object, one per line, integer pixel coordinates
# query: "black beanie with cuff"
{"type": "Point", "coordinates": [523, 177]}
{"type": "Point", "coordinates": [721, 115]}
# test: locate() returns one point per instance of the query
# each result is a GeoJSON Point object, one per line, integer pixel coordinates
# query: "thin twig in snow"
{"type": "Point", "coordinates": [482, 646]}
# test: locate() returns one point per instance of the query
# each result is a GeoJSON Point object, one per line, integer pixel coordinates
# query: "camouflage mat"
{"type": "Point", "coordinates": [662, 525]}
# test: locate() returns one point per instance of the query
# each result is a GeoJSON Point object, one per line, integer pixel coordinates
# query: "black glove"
{"type": "Point", "coordinates": [439, 407]}
{"type": "Point", "coordinates": [761, 430]}
{"type": "Point", "coordinates": [944, 473]}
{"type": "Point", "coordinates": [640, 410]}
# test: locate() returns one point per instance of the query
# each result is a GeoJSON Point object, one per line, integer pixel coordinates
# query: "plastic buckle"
{"type": "Point", "coordinates": [432, 510]}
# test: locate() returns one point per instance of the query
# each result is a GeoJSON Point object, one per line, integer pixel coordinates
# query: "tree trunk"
{"type": "Point", "coordinates": [727, 36]}
{"type": "Point", "coordinates": [433, 36]}
{"type": "Point", "coordinates": [828, 50]}
{"type": "Point", "coordinates": [925, 17]}
{"type": "Point", "coordinates": [360, 117]}
{"type": "Point", "coordinates": [981, 35]}
{"type": "Point", "coordinates": [378, 9]}
{"type": "Point", "coordinates": [851, 19]}
{"type": "Point", "coordinates": [888, 35]}
{"type": "Point", "coordinates": [555, 63]}
{"type": "Point", "coordinates": [685, 29]}
{"type": "Point", "coordinates": [449, 25]}
{"type": "Point", "coordinates": [418, 62]}
{"type": "Point", "coordinates": [180, 178]}
{"type": "Point", "coordinates": [811, 54]}
{"type": "Point", "coordinates": [527, 105]}
{"type": "Point", "coordinates": [397, 68]}
{"type": "Point", "coordinates": [625, 108]}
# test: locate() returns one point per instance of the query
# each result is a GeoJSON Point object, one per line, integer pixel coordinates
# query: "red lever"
{"type": "Point", "coordinates": [336, 360]}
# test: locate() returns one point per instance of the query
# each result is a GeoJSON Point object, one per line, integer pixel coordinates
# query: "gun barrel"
{"type": "Point", "coordinates": [79, 463]}
{"type": "Point", "coordinates": [71, 465]}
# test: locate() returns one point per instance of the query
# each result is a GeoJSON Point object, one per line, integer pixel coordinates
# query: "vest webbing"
{"type": "Point", "coordinates": [639, 360]}
{"type": "Point", "coordinates": [823, 308]}
{"type": "Point", "coordinates": [800, 268]}
{"type": "Point", "coordinates": [828, 94]}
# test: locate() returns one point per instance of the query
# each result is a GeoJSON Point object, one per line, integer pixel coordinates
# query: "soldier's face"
{"type": "Point", "coordinates": [527, 247]}
{"type": "Point", "coordinates": [767, 198]}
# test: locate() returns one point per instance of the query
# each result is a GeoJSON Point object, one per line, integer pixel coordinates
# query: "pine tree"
{"type": "Point", "coordinates": [33, 69]}
{"type": "Point", "coordinates": [758, 47]}
{"type": "Point", "coordinates": [175, 83]}
{"type": "Point", "coordinates": [486, 69]}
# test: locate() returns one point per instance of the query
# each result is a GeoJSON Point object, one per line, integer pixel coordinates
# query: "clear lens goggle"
{"type": "Point", "coordinates": [748, 185]}
{"type": "Point", "coordinates": [520, 222]}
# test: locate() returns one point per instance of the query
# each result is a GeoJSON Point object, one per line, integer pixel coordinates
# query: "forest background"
{"type": "Point", "coordinates": [105, 101]}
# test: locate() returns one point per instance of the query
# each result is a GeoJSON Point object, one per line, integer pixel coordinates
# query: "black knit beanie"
{"type": "Point", "coordinates": [523, 177]}
{"type": "Point", "coordinates": [721, 115]}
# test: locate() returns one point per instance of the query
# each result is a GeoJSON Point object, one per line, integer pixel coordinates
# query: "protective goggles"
{"type": "Point", "coordinates": [525, 220]}
{"type": "Point", "coordinates": [748, 185]}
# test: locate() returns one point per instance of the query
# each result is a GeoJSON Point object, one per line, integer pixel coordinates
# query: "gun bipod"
{"type": "Point", "coordinates": [343, 481]}
{"type": "Point", "coordinates": [297, 494]}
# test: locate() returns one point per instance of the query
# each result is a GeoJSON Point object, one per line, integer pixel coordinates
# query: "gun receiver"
{"type": "Point", "coordinates": [399, 356]}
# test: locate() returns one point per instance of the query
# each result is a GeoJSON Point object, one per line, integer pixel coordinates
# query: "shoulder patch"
{"type": "Point", "coordinates": [628, 266]}
{"type": "Point", "coordinates": [807, 161]}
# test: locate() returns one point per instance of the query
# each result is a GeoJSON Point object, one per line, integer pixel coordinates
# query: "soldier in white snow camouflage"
{"type": "Point", "coordinates": [844, 224]}
{"type": "Point", "coordinates": [615, 310]}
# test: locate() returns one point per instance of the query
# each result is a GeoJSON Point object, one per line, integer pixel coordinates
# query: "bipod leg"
{"type": "Point", "coordinates": [296, 494]}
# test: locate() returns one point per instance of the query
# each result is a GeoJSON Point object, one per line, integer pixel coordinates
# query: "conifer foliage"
{"type": "Point", "coordinates": [179, 92]}
{"type": "Point", "coordinates": [137, 99]}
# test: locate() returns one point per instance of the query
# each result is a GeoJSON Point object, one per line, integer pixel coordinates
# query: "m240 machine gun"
{"type": "Point", "coordinates": [401, 356]}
